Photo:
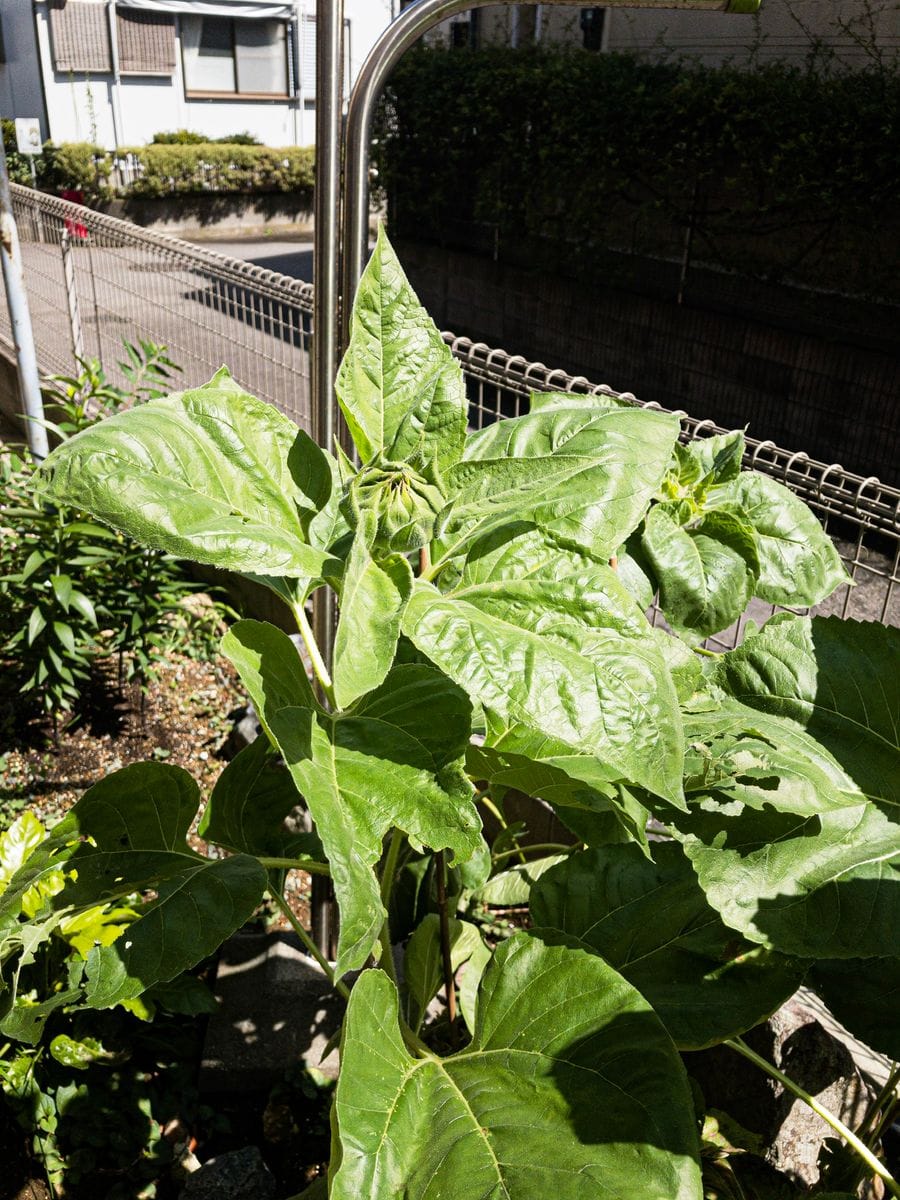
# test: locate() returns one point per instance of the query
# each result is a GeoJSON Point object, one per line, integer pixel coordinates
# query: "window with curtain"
{"type": "Point", "coordinates": [79, 36]}
{"type": "Point", "coordinates": [234, 57]}
{"type": "Point", "coordinates": [146, 42]}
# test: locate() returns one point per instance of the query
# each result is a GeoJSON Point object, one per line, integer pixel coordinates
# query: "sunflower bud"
{"type": "Point", "coordinates": [404, 500]}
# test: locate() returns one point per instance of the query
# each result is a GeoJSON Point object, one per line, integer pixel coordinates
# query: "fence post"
{"type": "Point", "coordinates": [71, 295]}
{"type": "Point", "coordinates": [20, 319]}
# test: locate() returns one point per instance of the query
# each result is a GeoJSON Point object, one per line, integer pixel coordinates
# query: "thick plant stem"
{"type": "Point", "coordinates": [318, 663]}
{"type": "Point", "coordinates": [440, 867]}
{"type": "Point", "coordinates": [310, 865]}
{"type": "Point", "coordinates": [874, 1164]}
{"type": "Point", "coordinates": [339, 986]}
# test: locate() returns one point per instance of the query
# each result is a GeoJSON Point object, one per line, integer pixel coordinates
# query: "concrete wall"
{"type": "Point", "coordinates": [816, 376]}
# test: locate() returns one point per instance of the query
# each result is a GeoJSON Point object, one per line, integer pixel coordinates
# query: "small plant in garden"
{"type": "Point", "coordinates": [72, 589]}
{"type": "Point", "coordinates": [494, 583]}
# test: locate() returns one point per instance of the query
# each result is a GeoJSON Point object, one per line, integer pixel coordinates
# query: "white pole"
{"type": "Point", "coordinates": [20, 319]}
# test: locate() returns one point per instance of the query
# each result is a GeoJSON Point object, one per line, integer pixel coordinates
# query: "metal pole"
{"type": "Point", "coordinates": [71, 295]}
{"type": "Point", "coordinates": [20, 319]}
{"type": "Point", "coordinates": [326, 302]}
{"type": "Point", "coordinates": [399, 36]}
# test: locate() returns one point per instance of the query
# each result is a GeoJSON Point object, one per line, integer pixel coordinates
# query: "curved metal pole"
{"type": "Point", "coordinates": [399, 36]}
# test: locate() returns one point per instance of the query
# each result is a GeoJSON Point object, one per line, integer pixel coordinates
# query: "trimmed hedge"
{"type": "Point", "coordinates": [569, 160]}
{"type": "Point", "coordinates": [165, 170]}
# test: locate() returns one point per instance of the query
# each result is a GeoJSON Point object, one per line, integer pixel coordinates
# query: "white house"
{"type": "Point", "coordinates": [116, 72]}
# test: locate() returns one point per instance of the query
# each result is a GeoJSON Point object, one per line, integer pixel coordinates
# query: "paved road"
{"type": "Point", "coordinates": [294, 258]}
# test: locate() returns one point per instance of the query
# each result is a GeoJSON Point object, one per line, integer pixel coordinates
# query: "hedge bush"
{"type": "Point", "coordinates": [564, 155]}
{"type": "Point", "coordinates": [214, 167]}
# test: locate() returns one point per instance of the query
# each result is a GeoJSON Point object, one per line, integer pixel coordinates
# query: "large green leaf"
{"type": "Point", "coordinates": [423, 964]}
{"type": "Point", "coordinates": [564, 660]}
{"type": "Point", "coordinates": [395, 760]}
{"type": "Point", "coordinates": [798, 561]}
{"type": "Point", "coordinates": [837, 680]}
{"type": "Point", "coordinates": [706, 570]}
{"type": "Point", "coordinates": [126, 834]}
{"type": "Point", "coordinates": [373, 597]}
{"type": "Point", "coordinates": [400, 389]}
{"type": "Point", "coordinates": [650, 920]}
{"type": "Point", "coordinates": [250, 804]}
{"type": "Point", "coordinates": [864, 994]}
{"type": "Point", "coordinates": [579, 474]}
{"type": "Point", "coordinates": [210, 474]}
{"type": "Point", "coordinates": [786, 847]}
{"type": "Point", "coordinates": [569, 1087]}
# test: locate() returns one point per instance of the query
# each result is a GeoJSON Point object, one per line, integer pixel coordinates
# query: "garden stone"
{"type": "Point", "coordinates": [237, 1175]}
{"type": "Point", "coordinates": [796, 1042]}
{"type": "Point", "coordinates": [277, 1008]}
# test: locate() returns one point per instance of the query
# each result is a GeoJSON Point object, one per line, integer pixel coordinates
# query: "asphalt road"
{"type": "Point", "coordinates": [294, 258]}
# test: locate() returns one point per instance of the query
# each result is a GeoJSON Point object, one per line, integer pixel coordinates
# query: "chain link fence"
{"type": "Point", "coordinates": [94, 280]}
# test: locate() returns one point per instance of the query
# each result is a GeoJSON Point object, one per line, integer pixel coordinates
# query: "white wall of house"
{"type": "Point", "coordinates": [130, 109]}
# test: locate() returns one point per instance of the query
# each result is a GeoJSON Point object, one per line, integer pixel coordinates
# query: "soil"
{"type": "Point", "coordinates": [185, 718]}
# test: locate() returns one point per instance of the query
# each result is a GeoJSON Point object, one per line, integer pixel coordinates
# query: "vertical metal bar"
{"type": "Point", "coordinates": [20, 319]}
{"type": "Point", "coordinates": [326, 301]}
{"type": "Point", "coordinates": [71, 295]}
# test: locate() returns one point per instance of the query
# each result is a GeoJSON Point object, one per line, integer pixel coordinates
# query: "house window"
{"type": "Point", "coordinates": [228, 57]}
{"type": "Point", "coordinates": [146, 42]}
{"type": "Point", "coordinates": [592, 20]}
{"type": "Point", "coordinates": [79, 34]}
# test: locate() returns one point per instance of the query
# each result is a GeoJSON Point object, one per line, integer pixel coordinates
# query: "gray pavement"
{"type": "Point", "coordinates": [288, 256]}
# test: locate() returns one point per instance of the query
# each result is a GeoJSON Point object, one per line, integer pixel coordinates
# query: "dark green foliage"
{"type": "Point", "coordinates": [73, 589]}
{"type": "Point", "coordinates": [571, 160]}
{"type": "Point", "coordinates": [186, 137]}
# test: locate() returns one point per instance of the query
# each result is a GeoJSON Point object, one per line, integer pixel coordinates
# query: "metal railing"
{"type": "Point", "coordinates": [94, 280]}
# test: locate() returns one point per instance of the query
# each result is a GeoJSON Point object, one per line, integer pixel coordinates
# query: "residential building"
{"type": "Point", "coordinates": [854, 32]}
{"type": "Point", "coordinates": [116, 72]}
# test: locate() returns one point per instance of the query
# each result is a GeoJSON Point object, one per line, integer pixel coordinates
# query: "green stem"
{"type": "Point", "coordinates": [390, 865]}
{"type": "Point", "coordinates": [310, 865]}
{"type": "Point", "coordinates": [708, 653]}
{"type": "Point", "coordinates": [318, 663]}
{"type": "Point", "coordinates": [339, 986]}
{"type": "Point", "coordinates": [485, 799]}
{"type": "Point", "coordinates": [882, 1110]}
{"type": "Point", "coordinates": [873, 1163]}
{"type": "Point", "coordinates": [542, 846]}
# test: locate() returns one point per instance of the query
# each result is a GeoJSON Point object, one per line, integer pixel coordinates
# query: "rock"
{"type": "Point", "coordinates": [277, 1008]}
{"type": "Point", "coordinates": [237, 1175]}
{"type": "Point", "coordinates": [246, 723]}
{"type": "Point", "coordinates": [796, 1042]}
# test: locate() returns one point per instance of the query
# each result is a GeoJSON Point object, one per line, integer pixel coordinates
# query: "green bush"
{"type": "Point", "coordinates": [179, 137]}
{"type": "Point", "coordinates": [16, 163]}
{"type": "Point", "coordinates": [169, 169]}
{"type": "Point", "coordinates": [565, 156]}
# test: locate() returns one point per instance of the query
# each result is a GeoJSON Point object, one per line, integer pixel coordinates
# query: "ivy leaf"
{"type": "Point", "coordinates": [570, 1087]}
{"type": "Point", "coordinates": [581, 475]}
{"type": "Point", "coordinates": [564, 661]}
{"type": "Point", "coordinates": [798, 562]}
{"type": "Point", "coordinates": [706, 571]}
{"type": "Point", "coordinates": [211, 474]}
{"type": "Point", "coordinates": [400, 389]}
{"type": "Point", "coordinates": [373, 599]}
{"type": "Point", "coordinates": [648, 918]}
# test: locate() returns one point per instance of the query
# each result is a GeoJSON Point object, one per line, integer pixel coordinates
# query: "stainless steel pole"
{"type": "Point", "coordinates": [326, 309]}
{"type": "Point", "coordinates": [20, 319]}
{"type": "Point", "coordinates": [399, 36]}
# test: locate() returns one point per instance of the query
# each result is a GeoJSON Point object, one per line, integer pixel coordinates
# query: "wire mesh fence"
{"type": "Point", "coordinates": [94, 280]}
